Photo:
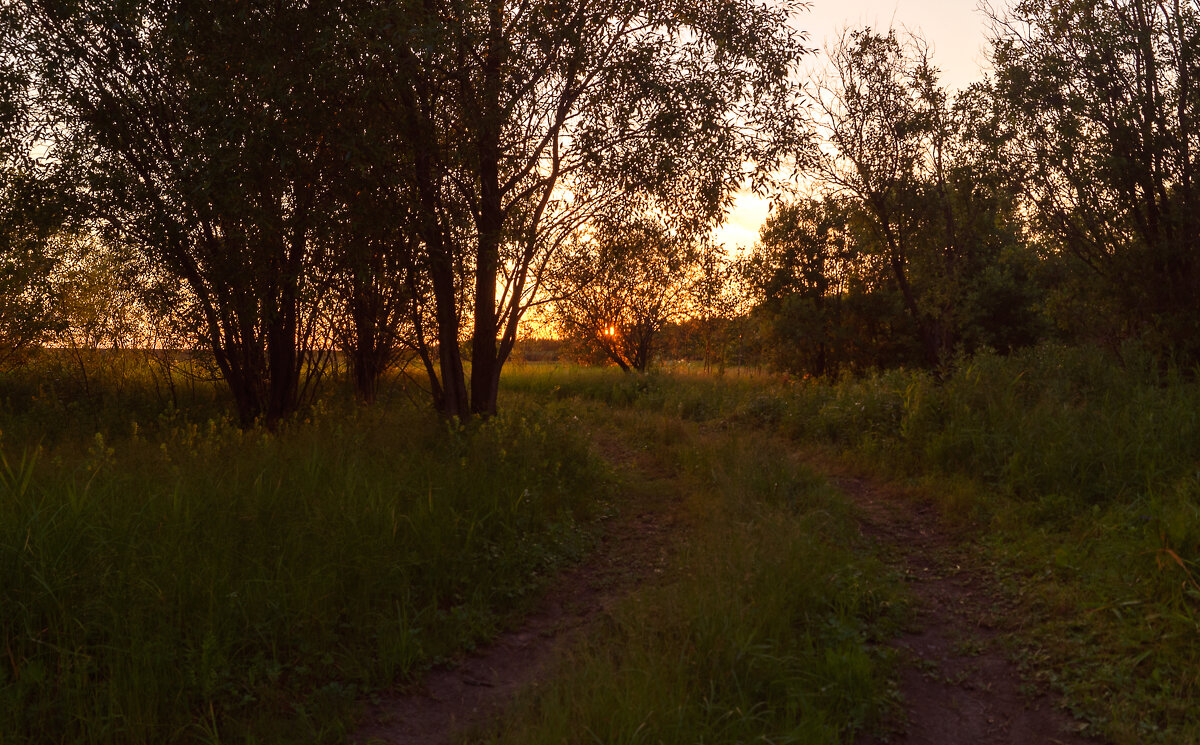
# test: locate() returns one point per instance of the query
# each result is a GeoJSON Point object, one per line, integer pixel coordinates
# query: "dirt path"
{"type": "Point", "coordinates": [632, 548]}
{"type": "Point", "coordinates": [958, 686]}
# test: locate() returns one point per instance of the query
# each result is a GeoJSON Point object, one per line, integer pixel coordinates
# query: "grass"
{"type": "Point", "coordinates": [168, 577]}
{"type": "Point", "coordinates": [1080, 475]}
{"type": "Point", "coordinates": [176, 579]}
{"type": "Point", "coordinates": [764, 628]}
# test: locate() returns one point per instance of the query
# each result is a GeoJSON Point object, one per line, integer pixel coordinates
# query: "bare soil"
{"type": "Point", "coordinates": [958, 685]}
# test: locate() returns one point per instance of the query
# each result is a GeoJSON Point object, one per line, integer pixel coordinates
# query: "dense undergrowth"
{"type": "Point", "coordinates": [766, 625]}
{"type": "Point", "coordinates": [1081, 472]}
{"type": "Point", "coordinates": [168, 577]}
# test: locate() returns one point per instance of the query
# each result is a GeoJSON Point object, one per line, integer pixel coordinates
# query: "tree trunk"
{"type": "Point", "coordinates": [454, 401]}
{"type": "Point", "coordinates": [896, 261]}
{"type": "Point", "coordinates": [485, 365]}
{"type": "Point", "coordinates": [283, 368]}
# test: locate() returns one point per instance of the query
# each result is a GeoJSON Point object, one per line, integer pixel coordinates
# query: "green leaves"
{"type": "Point", "coordinates": [1104, 101]}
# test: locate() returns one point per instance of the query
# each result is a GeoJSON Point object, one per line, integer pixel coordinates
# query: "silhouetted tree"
{"type": "Point", "coordinates": [934, 179]}
{"type": "Point", "coordinates": [210, 131]}
{"type": "Point", "coordinates": [1106, 103]}
{"type": "Point", "coordinates": [822, 291]}
{"type": "Point", "coordinates": [523, 121]}
{"type": "Point", "coordinates": [35, 217]}
{"type": "Point", "coordinates": [879, 114]}
{"type": "Point", "coordinates": [620, 283]}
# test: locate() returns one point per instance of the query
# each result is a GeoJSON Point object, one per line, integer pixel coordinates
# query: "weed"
{"type": "Point", "coordinates": [1080, 473]}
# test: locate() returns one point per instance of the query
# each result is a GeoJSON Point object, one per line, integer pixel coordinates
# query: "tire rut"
{"type": "Point", "coordinates": [453, 699]}
{"type": "Point", "coordinates": [957, 684]}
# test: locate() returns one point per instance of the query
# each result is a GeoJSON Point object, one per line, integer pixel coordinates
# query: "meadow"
{"type": "Point", "coordinates": [174, 578]}
{"type": "Point", "coordinates": [1075, 473]}
{"type": "Point", "coordinates": [171, 577]}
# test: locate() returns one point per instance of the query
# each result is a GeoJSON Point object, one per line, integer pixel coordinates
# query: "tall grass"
{"type": "Point", "coordinates": [187, 581]}
{"type": "Point", "coordinates": [1081, 472]}
{"type": "Point", "coordinates": [762, 630]}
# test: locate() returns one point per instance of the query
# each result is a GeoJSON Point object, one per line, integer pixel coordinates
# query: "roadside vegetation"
{"type": "Point", "coordinates": [766, 625]}
{"type": "Point", "coordinates": [264, 267]}
{"type": "Point", "coordinates": [171, 577]}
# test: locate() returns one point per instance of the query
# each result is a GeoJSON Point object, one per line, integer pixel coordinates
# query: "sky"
{"type": "Point", "coordinates": [956, 30]}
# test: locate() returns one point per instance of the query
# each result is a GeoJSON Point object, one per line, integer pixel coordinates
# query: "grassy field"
{"type": "Point", "coordinates": [170, 578]}
{"type": "Point", "coordinates": [177, 579]}
{"type": "Point", "coordinates": [1078, 474]}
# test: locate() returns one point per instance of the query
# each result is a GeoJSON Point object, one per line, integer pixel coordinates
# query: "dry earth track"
{"type": "Point", "coordinates": [958, 687]}
{"type": "Point", "coordinates": [632, 549]}
{"type": "Point", "coordinates": [957, 684]}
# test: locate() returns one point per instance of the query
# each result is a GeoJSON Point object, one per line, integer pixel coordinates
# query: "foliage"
{"type": "Point", "coordinates": [718, 299]}
{"type": "Point", "coordinates": [1105, 100]}
{"type": "Point", "coordinates": [1078, 471]}
{"type": "Point", "coordinates": [929, 183]}
{"type": "Point", "coordinates": [823, 298]}
{"type": "Point", "coordinates": [212, 154]}
{"type": "Point", "coordinates": [517, 131]}
{"type": "Point", "coordinates": [621, 283]}
{"type": "Point", "coordinates": [32, 238]}
{"type": "Point", "coordinates": [34, 220]}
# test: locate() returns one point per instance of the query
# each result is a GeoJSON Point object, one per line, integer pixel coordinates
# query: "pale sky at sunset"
{"type": "Point", "coordinates": [956, 30]}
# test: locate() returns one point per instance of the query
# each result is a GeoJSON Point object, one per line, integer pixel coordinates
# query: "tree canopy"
{"type": "Point", "coordinates": [291, 186]}
{"type": "Point", "coordinates": [410, 168]}
{"type": "Point", "coordinates": [526, 121]}
{"type": "Point", "coordinates": [1105, 100]}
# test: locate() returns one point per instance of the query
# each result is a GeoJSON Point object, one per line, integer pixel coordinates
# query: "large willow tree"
{"type": "Point", "coordinates": [519, 121]}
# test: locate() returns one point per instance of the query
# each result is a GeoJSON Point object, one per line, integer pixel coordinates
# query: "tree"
{"type": "Point", "coordinates": [822, 291]}
{"type": "Point", "coordinates": [998, 287]}
{"type": "Point", "coordinates": [799, 260]}
{"type": "Point", "coordinates": [374, 309]}
{"type": "Point", "coordinates": [1105, 100]}
{"type": "Point", "coordinates": [523, 121]}
{"type": "Point", "coordinates": [882, 115]}
{"type": "Point", "coordinates": [933, 176]}
{"type": "Point", "coordinates": [716, 300]}
{"type": "Point", "coordinates": [239, 146]}
{"type": "Point", "coordinates": [33, 235]}
{"type": "Point", "coordinates": [34, 220]}
{"type": "Point", "coordinates": [209, 134]}
{"type": "Point", "coordinates": [100, 304]}
{"type": "Point", "coordinates": [620, 284]}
